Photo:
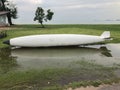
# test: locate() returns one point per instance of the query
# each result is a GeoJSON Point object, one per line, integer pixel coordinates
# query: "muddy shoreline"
{"type": "Point", "coordinates": [101, 87]}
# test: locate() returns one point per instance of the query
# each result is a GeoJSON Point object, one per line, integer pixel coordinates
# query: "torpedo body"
{"type": "Point", "coordinates": [49, 40]}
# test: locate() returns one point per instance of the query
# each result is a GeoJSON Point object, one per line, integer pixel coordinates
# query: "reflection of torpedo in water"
{"type": "Point", "coordinates": [61, 52]}
{"type": "Point", "coordinates": [59, 57]}
{"type": "Point", "coordinates": [105, 51]}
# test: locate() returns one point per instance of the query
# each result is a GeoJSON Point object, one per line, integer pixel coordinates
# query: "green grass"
{"type": "Point", "coordinates": [83, 74]}
{"type": "Point", "coordinates": [78, 74]}
{"type": "Point", "coordinates": [22, 30]}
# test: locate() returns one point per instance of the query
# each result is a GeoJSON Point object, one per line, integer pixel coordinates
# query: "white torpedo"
{"type": "Point", "coordinates": [49, 40]}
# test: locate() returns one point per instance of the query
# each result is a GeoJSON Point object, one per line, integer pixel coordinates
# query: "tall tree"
{"type": "Point", "coordinates": [41, 16]}
{"type": "Point", "coordinates": [8, 6]}
{"type": "Point", "coordinates": [3, 5]}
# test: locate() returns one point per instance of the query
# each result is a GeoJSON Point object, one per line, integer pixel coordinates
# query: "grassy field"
{"type": "Point", "coordinates": [22, 30]}
{"type": "Point", "coordinates": [79, 73]}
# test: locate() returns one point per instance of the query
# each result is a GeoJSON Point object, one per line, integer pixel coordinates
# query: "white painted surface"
{"type": "Point", "coordinates": [105, 34]}
{"type": "Point", "coordinates": [2, 20]}
{"type": "Point", "coordinates": [54, 40]}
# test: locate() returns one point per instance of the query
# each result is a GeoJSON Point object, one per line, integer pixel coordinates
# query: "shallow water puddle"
{"type": "Point", "coordinates": [53, 57]}
{"type": "Point", "coordinates": [60, 57]}
{"type": "Point", "coordinates": [65, 64]}
{"type": "Point", "coordinates": [115, 49]}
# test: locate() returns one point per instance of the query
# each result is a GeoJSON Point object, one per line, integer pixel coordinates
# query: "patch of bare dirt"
{"type": "Point", "coordinates": [101, 87]}
{"type": "Point", "coordinates": [4, 28]}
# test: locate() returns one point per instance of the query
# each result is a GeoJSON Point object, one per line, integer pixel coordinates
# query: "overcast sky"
{"type": "Point", "coordinates": [71, 11]}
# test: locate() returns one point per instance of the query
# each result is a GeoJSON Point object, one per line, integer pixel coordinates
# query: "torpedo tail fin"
{"type": "Point", "coordinates": [105, 35]}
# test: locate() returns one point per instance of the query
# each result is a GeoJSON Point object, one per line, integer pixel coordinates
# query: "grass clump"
{"type": "Point", "coordinates": [31, 78]}
{"type": "Point", "coordinates": [3, 34]}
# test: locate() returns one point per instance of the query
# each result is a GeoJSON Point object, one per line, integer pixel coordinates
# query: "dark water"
{"type": "Point", "coordinates": [60, 57]}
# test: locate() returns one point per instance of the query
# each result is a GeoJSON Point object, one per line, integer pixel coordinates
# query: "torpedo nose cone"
{"type": "Point", "coordinates": [7, 42]}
